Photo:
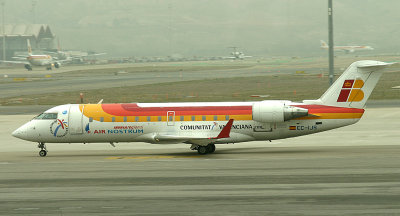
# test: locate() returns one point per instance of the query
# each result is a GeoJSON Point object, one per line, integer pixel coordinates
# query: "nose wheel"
{"type": "Point", "coordinates": [43, 151]}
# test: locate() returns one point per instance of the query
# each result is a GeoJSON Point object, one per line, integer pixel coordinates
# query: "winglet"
{"type": "Point", "coordinates": [226, 130]}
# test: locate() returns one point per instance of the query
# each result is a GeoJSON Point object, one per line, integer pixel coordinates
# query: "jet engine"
{"type": "Point", "coordinates": [57, 64]}
{"type": "Point", "coordinates": [276, 111]}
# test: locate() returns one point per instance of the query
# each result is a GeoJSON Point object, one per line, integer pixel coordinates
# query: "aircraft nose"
{"type": "Point", "coordinates": [20, 133]}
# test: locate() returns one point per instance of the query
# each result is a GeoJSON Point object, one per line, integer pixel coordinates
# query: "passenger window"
{"type": "Point", "coordinates": [182, 118]}
{"type": "Point", "coordinates": [113, 119]}
{"type": "Point", "coordinates": [227, 117]}
{"type": "Point", "coordinates": [125, 118]}
{"type": "Point", "coordinates": [170, 118]}
{"type": "Point", "coordinates": [91, 119]}
{"type": "Point", "coordinates": [101, 119]}
{"type": "Point", "coordinates": [148, 118]}
{"type": "Point", "coordinates": [204, 118]}
{"type": "Point", "coordinates": [193, 118]}
{"type": "Point", "coordinates": [215, 118]}
{"type": "Point", "coordinates": [136, 118]}
{"type": "Point", "coordinates": [159, 118]}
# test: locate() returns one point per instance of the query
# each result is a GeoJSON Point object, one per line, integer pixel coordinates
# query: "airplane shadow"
{"type": "Point", "coordinates": [157, 153]}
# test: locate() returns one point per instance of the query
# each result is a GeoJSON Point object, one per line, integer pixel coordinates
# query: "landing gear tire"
{"type": "Point", "coordinates": [210, 148]}
{"type": "Point", "coordinates": [42, 153]}
{"type": "Point", "coordinates": [202, 150]}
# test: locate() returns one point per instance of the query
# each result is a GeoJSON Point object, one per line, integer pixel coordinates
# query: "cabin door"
{"type": "Point", "coordinates": [171, 118]}
{"type": "Point", "coordinates": [75, 119]}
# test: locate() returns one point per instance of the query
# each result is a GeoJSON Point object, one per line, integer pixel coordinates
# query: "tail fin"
{"type": "Point", "coordinates": [354, 86]}
{"type": "Point", "coordinates": [324, 45]}
{"type": "Point", "coordinates": [29, 47]}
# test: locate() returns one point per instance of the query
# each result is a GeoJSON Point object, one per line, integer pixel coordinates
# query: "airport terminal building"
{"type": "Point", "coordinates": [40, 36]}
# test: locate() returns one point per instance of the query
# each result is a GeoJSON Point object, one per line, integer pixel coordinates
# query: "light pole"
{"type": "Point", "coordinates": [4, 31]}
{"type": "Point", "coordinates": [330, 28]}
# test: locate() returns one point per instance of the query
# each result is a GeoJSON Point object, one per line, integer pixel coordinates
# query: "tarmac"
{"type": "Point", "coordinates": [348, 171]}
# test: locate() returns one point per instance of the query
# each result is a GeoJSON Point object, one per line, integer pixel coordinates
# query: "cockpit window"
{"type": "Point", "coordinates": [47, 116]}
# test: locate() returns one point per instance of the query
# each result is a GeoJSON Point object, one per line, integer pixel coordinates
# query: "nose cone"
{"type": "Point", "coordinates": [21, 132]}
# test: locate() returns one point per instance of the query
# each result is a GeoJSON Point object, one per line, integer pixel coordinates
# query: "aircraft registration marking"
{"type": "Point", "coordinates": [302, 127]}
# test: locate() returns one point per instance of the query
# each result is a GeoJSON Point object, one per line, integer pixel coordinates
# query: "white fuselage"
{"type": "Point", "coordinates": [40, 60]}
{"type": "Point", "coordinates": [103, 123]}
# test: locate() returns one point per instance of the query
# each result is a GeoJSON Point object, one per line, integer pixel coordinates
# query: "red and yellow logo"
{"type": "Point", "coordinates": [351, 91]}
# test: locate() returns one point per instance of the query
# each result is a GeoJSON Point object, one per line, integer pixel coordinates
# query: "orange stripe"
{"type": "Point", "coordinates": [332, 116]}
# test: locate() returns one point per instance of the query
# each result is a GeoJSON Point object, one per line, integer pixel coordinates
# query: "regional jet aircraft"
{"type": "Point", "coordinates": [36, 60]}
{"type": "Point", "coordinates": [237, 55]}
{"type": "Point", "coordinates": [347, 49]}
{"type": "Point", "coordinates": [203, 125]}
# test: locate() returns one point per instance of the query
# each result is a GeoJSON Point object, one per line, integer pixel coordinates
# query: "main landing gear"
{"type": "Point", "coordinates": [43, 151]}
{"type": "Point", "coordinates": [210, 148]}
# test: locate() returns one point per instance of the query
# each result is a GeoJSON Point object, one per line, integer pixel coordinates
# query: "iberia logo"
{"type": "Point", "coordinates": [351, 91]}
{"type": "Point", "coordinates": [59, 128]}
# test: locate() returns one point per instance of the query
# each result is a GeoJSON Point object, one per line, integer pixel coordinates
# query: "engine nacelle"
{"type": "Point", "coordinates": [276, 111]}
{"type": "Point", "coordinates": [57, 64]}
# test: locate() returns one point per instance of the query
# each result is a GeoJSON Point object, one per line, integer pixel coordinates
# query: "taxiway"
{"type": "Point", "coordinates": [349, 171]}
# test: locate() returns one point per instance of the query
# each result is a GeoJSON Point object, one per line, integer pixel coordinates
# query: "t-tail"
{"type": "Point", "coordinates": [324, 45]}
{"type": "Point", "coordinates": [353, 88]}
{"type": "Point", "coordinates": [29, 47]}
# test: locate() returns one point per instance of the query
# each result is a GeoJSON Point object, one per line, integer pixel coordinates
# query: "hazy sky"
{"type": "Point", "coordinates": [209, 27]}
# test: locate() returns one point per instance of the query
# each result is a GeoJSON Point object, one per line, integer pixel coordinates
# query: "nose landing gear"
{"type": "Point", "coordinates": [43, 151]}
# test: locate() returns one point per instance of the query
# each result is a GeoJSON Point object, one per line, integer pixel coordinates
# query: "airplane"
{"type": "Point", "coordinates": [347, 49]}
{"type": "Point", "coordinates": [236, 55]}
{"type": "Point", "coordinates": [206, 124]}
{"type": "Point", "coordinates": [72, 56]}
{"type": "Point", "coordinates": [35, 60]}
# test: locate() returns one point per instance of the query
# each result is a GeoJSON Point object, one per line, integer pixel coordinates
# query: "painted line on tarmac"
{"type": "Point", "coordinates": [150, 157]}
{"type": "Point", "coordinates": [26, 209]}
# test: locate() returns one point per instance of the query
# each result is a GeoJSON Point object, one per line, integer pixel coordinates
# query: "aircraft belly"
{"type": "Point", "coordinates": [304, 127]}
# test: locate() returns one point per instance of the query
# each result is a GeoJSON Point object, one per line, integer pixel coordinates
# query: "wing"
{"type": "Point", "coordinates": [16, 62]}
{"type": "Point", "coordinates": [201, 139]}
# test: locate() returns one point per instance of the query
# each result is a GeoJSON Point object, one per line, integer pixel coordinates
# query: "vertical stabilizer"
{"type": "Point", "coordinates": [354, 86]}
{"type": "Point", "coordinates": [29, 47]}
{"type": "Point", "coordinates": [324, 45]}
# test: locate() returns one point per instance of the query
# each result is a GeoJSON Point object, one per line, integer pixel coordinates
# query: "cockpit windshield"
{"type": "Point", "coordinates": [47, 116]}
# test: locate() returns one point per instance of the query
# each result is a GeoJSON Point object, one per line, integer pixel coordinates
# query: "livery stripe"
{"type": "Point", "coordinates": [330, 112]}
{"type": "Point", "coordinates": [329, 109]}
{"type": "Point", "coordinates": [211, 113]}
{"type": "Point", "coordinates": [332, 116]}
{"type": "Point", "coordinates": [133, 109]}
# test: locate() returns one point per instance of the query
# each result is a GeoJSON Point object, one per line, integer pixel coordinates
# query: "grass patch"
{"type": "Point", "coordinates": [282, 87]}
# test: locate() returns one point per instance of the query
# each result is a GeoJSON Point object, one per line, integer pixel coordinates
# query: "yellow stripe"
{"type": "Point", "coordinates": [96, 112]}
